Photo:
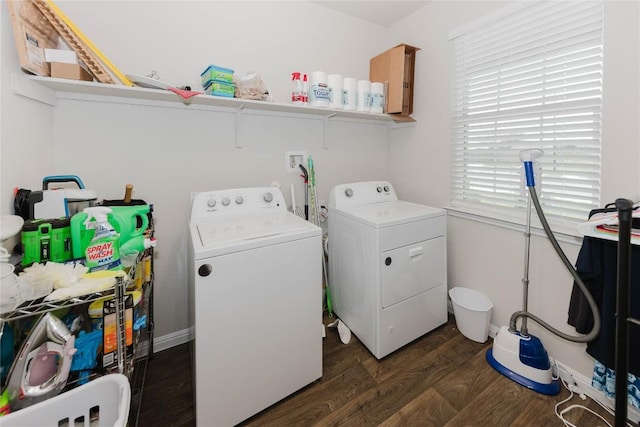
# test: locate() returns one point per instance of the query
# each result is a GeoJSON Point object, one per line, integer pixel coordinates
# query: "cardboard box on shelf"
{"type": "Point", "coordinates": [70, 71]}
{"type": "Point", "coordinates": [396, 68]}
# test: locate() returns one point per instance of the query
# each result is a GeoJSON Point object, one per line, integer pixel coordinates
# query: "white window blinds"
{"type": "Point", "coordinates": [529, 79]}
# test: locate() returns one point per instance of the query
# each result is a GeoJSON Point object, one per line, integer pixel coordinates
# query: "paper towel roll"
{"type": "Point", "coordinates": [349, 93]}
{"type": "Point", "coordinates": [364, 88]}
{"type": "Point", "coordinates": [377, 97]}
{"type": "Point", "coordinates": [318, 89]}
{"type": "Point", "coordinates": [335, 90]}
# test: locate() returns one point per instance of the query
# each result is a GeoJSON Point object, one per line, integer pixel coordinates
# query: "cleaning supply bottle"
{"type": "Point", "coordinates": [296, 90]}
{"type": "Point", "coordinates": [128, 221]}
{"type": "Point", "coordinates": [103, 253]}
{"type": "Point", "coordinates": [305, 90]}
{"type": "Point", "coordinates": [137, 244]}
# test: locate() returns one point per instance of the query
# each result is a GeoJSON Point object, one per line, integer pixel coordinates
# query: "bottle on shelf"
{"type": "Point", "coordinates": [305, 90]}
{"type": "Point", "coordinates": [296, 90]}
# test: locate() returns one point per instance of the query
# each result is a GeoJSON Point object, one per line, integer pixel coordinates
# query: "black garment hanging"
{"type": "Point", "coordinates": [597, 266]}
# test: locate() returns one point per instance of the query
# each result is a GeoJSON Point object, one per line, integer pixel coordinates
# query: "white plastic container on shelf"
{"type": "Point", "coordinates": [110, 394]}
{"type": "Point", "coordinates": [364, 97]}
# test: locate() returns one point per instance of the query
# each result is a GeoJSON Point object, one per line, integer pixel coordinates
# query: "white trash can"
{"type": "Point", "coordinates": [472, 311]}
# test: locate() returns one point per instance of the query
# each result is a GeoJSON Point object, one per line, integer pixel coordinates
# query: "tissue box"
{"type": "Point", "coordinates": [214, 73]}
{"type": "Point", "coordinates": [217, 88]}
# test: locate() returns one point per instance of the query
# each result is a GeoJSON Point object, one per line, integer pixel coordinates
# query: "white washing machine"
{"type": "Point", "coordinates": [387, 265]}
{"type": "Point", "coordinates": [255, 301]}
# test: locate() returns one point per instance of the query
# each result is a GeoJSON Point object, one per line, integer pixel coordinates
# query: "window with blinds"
{"type": "Point", "coordinates": [531, 78]}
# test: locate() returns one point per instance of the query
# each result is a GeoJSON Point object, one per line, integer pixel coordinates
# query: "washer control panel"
{"type": "Point", "coordinates": [214, 204]}
{"type": "Point", "coordinates": [361, 193]}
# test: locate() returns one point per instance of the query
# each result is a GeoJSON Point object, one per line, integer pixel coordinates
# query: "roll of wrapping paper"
{"type": "Point", "coordinates": [127, 194]}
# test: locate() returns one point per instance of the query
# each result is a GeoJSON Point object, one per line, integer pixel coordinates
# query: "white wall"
{"type": "Point", "coordinates": [26, 141]}
{"type": "Point", "coordinates": [169, 150]}
{"type": "Point", "coordinates": [419, 159]}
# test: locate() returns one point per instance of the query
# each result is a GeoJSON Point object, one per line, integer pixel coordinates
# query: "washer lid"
{"type": "Point", "coordinates": [381, 215]}
{"type": "Point", "coordinates": [248, 231]}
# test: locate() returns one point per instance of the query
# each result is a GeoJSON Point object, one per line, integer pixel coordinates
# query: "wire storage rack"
{"type": "Point", "coordinates": [130, 361]}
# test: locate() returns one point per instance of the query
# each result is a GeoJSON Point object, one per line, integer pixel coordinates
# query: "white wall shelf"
{"type": "Point", "coordinates": [40, 89]}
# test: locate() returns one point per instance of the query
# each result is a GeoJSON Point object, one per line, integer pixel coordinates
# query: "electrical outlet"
{"type": "Point", "coordinates": [569, 381]}
{"type": "Point", "coordinates": [294, 159]}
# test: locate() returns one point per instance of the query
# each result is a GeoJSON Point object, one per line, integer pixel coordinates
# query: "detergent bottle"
{"type": "Point", "coordinates": [103, 253]}
{"type": "Point", "coordinates": [137, 244]}
{"type": "Point", "coordinates": [128, 221]}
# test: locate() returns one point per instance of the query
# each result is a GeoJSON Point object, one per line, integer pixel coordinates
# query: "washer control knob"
{"type": "Point", "coordinates": [386, 188]}
{"type": "Point", "coordinates": [211, 203]}
{"type": "Point", "coordinates": [268, 197]}
{"type": "Point", "coordinates": [348, 192]}
{"type": "Point", "coordinates": [239, 200]}
{"type": "Point", "coordinates": [204, 270]}
{"type": "Point", "coordinates": [379, 189]}
{"type": "Point", "coordinates": [225, 201]}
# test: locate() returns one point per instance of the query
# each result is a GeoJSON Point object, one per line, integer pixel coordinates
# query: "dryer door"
{"type": "Point", "coordinates": [410, 270]}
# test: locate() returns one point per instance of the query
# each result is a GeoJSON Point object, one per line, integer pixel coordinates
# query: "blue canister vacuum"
{"type": "Point", "coordinates": [516, 354]}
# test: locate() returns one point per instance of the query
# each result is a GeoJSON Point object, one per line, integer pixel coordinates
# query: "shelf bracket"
{"type": "Point", "coordinates": [32, 90]}
{"type": "Point", "coordinates": [325, 125]}
{"type": "Point", "coordinates": [239, 126]}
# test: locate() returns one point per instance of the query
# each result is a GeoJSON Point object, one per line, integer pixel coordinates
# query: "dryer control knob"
{"type": "Point", "coordinates": [225, 201]}
{"type": "Point", "coordinates": [348, 192]}
{"type": "Point", "coordinates": [387, 261]}
{"type": "Point", "coordinates": [211, 203]}
{"type": "Point", "coordinates": [239, 200]}
{"type": "Point", "coordinates": [379, 189]}
{"type": "Point", "coordinates": [268, 197]}
{"type": "Point", "coordinates": [386, 188]}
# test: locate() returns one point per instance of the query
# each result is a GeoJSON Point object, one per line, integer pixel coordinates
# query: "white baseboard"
{"type": "Point", "coordinates": [493, 330]}
{"type": "Point", "coordinates": [584, 383]}
{"type": "Point", "coordinates": [171, 340]}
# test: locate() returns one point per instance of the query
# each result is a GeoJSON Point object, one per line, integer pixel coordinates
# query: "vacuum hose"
{"type": "Point", "coordinates": [592, 303]}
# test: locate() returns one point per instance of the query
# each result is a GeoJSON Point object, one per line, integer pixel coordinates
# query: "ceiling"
{"type": "Point", "coordinates": [383, 13]}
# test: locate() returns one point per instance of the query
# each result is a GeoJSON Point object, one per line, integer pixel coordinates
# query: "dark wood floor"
{"type": "Point", "coordinates": [441, 379]}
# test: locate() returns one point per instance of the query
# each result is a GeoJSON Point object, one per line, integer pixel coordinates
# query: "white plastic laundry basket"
{"type": "Point", "coordinates": [472, 311]}
{"type": "Point", "coordinates": [102, 402]}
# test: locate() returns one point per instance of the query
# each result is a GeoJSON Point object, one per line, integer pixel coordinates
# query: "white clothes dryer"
{"type": "Point", "coordinates": [255, 301]}
{"type": "Point", "coordinates": [387, 265]}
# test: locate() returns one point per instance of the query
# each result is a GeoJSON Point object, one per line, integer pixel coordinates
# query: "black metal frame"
{"type": "Point", "coordinates": [623, 320]}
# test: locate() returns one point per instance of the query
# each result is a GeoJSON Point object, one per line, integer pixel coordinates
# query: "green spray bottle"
{"type": "Point", "coordinates": [103, 253]}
